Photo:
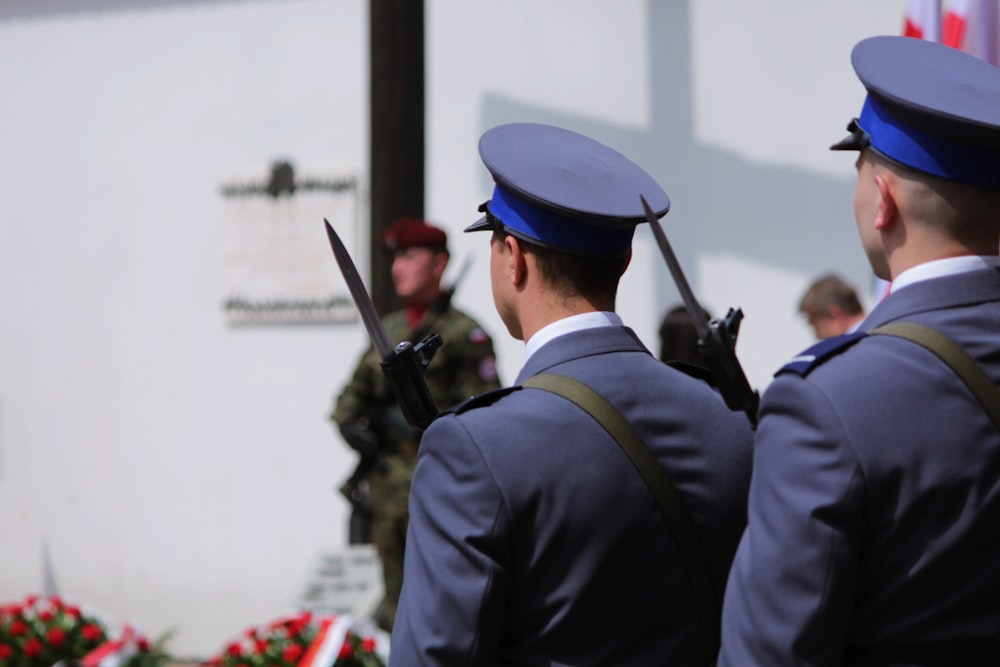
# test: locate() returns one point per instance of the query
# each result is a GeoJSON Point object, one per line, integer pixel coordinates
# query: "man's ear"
{"type": "Point", "coordinates": [516, 269]}
{"type": "Point", "coordinates": [440, 264]}
{"type": "Point", "coordinates": [887, 210]}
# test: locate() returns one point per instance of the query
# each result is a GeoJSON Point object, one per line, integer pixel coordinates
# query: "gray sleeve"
{"type": "Point", "coordinates": [792, 586]}
{"type": "Point", "coordinates": [457, 564]}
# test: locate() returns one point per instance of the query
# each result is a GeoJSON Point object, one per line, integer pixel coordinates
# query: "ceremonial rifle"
{"type": "Point", "coordinates": [403, 367]}
{"type": "Point", "coordinates": [716, 338]}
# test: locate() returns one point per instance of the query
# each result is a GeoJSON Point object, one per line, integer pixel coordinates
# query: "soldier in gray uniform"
{"type": "Point", "coordinates": [533, 538]}
{"type": "Point", "coordinates": [368, 417]}
{"type": "Point", "coordinates": [873, 535]}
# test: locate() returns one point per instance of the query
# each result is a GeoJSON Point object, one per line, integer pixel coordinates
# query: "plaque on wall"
{"type": "Point", "coordinates": [277, 267]}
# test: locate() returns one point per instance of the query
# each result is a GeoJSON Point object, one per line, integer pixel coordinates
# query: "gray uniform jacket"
{"type": "Point", "coordinates": [534, 541]}
{"type": "Point", "coordinates": [874, 512]}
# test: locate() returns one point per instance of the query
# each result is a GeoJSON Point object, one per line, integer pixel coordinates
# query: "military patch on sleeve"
{"type": "Point", "coordinates": [487, 369]}
{"type": "Point", "coordinates": [820, 352]}
{"type": "Point", "coordinates": [481, 400]}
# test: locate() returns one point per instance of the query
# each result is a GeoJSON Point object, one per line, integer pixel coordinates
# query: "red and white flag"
{"type": "Point", "coordinates": [113, 652]}
{"type": "Point", "coordinates": [973, 26]}
{"type": "Point", "coordinates": [326, 646]}
{"type": "Point", "coordinates": [923, 20]}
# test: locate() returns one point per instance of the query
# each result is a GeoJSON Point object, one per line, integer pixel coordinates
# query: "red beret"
{"type": "Point", "coordinates": [413, 233]}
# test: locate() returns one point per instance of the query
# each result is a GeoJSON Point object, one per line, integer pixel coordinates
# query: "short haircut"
{"type": "Point", "coordinates": [679, 337]}
{"type": "Point", "coordinates": [594, 278]}
{"type": "Point", "coordinates": [965, 213]}
{"type": "Point", "coordinates": [830, 290]}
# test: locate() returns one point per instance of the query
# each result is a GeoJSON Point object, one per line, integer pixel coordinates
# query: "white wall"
{"type": "Point", "coordinates": [181, 472]}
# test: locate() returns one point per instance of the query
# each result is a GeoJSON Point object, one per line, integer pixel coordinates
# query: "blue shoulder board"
{"type": "Point", "coordinates": [481, 400]}
{"type": "Point", "coordinates": [820, 352]}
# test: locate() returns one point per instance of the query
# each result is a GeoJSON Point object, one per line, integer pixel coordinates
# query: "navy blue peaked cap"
{"type": "Point", "coordinates": [562, 190]}
{"type": "Point", "coordinates": [929, 107]}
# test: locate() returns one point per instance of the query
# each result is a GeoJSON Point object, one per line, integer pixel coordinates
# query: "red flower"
{"type": "Point", "coordinates": [5, 651]}
{"type": "Point", "coordinates": [30, 600]}
{"type": "Point", "coordinates": [56, 602]}
{"type": "Point", "coordinates": [74, 613]}
{"type": "Point", "coordinates": [346, 651]}
{"type": "Point", "coordinates": [368, 644]}
{"type": "Point", "coordinates": [18, 628]}
{"type": "Point", "coordinates": [144, 645]}
{"type": "Point", "coordinates": [91, 632]}
{"type": "Point", "coordinates": [45, 616]}
{"type": "Point", "coordinates": [234, 650]}
{"type": "Point", "coordinates": [33, 648]}
{"type": "Point", "coordinates": [291, 653]}
{"type": "Point", "coordinates": [260, 645]}
{"type": "Point", "coordinates": [56, 636]}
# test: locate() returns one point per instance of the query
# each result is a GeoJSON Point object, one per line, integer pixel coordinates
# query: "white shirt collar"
{"type": "Point", "coordinates": [569, 325]}
{"type": "Point", "coordinates": [943, 267]}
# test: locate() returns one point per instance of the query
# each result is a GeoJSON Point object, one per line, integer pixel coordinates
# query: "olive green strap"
{"type": "Point", "coordinates": [952, 354]}
{"type": "Point", "coordinates": [678, 520]}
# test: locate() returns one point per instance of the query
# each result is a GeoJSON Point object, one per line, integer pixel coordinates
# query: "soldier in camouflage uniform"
{"type": "Point", "coordinates": [368, 416]}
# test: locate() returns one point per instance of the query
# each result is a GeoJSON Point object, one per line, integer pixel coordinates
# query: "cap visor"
{"type": "Point", "coordinates": [851, 142]}
{"type": "Point", "coordinates": [480, 225]}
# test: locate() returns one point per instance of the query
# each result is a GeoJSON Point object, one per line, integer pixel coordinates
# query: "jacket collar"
{"type": "Point", "coordinates": [580, 344]}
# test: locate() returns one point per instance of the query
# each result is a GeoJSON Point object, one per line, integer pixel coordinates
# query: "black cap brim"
{"type": "Point", "coordinates": [855, 141]}
{"type": "Point", "coordinates": [481, 225]}
{"type": "Point", "coordinates": [848, 143]}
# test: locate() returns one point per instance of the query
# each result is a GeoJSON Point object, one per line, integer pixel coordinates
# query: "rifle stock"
{"type": "Point", "coordinates": [719, 350]}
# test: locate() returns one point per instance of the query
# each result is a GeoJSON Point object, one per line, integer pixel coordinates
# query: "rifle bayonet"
{"type": "Point", "coordinates": [402, 365]}
{"type": "Point", "coordinates": [716, 338]}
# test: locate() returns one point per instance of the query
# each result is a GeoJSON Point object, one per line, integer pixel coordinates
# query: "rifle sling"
{"type": "Point", "coordinates": [679, 522]}
{"type": "Point", "coordinates": [955, 357]}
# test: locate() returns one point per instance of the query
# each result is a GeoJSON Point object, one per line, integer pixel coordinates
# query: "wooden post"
{"type": "Point", "coordinates": [397, 128]}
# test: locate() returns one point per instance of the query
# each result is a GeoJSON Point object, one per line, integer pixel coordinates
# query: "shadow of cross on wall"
{"type": "Point", "coordinates": [721, 203]}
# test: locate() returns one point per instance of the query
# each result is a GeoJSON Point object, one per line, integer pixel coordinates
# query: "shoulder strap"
{"type": "Point", "coordinates": [678, 520]}
{"type": "Point", "coordinates": [952, 354]}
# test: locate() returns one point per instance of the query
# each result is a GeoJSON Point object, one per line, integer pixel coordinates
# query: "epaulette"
{"type": "Point", "coordinates": [820, 352]}
{"type": "Point", "coordinates": [481, 400]}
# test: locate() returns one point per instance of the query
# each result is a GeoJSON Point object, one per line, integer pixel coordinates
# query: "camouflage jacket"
{"type": "Point", "coordinates": [462, 367]}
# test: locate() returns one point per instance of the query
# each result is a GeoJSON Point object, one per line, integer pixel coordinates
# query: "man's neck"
{"type": "Point", "coordinates": [578, 322]}
{"type": "Point", "coordinates": [416, 309]}
{"type": "Point", "coordinates": [547, 311]}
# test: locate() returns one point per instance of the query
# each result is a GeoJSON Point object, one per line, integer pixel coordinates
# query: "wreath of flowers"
{"type": "Point", "coordinates": [41, 631]}
{"type": "Point", "coordinates": [294, 641]}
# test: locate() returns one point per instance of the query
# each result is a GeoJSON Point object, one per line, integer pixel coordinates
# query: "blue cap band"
{"type": "Point", "coordinates": [556, 231]}
{"type": "Point", "coordinates": [928, 153]}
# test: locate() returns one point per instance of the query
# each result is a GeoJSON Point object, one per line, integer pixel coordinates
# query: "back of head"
{"type": "Point", "coordinates": [679, 338]}
{"type": "Point", "coordinates": [932, 116]}
{"type": "Point", "coordinates": [830, 290]}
